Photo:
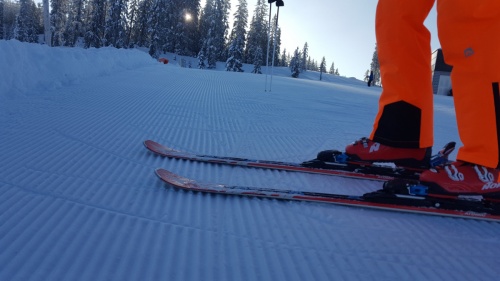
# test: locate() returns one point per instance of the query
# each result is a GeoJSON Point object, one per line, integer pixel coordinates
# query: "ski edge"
{"type": "Point", "coordinates": [183, 183]}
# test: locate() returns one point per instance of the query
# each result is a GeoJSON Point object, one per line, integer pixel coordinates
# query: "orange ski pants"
{"type": "Point", "coordinates": [469, 33]}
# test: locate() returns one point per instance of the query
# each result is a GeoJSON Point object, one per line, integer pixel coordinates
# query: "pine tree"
{"type": "Point", "coordinates": [234, 62]}
{"type": "Point", "coordinates": [114, 31]}
{"type": "Point", "coordinates": [211, 53]}
{"type": "Point", "coordinates": [139, 28]}
{"type": "Point", "coordinates": [132, 16]}
{"type": "Point", "coordinates": [257, 35]}
{"type": "Point", "coordinates": [26, 29]}
{"type": "Point", "coordinates": [158, 27]}
{"type": "Point", "coordinates": [222, 27]}
{"type": "Point", "coordinates": [58, 21]}
{"type": "Point", "coordinates": [75, 24]}
{"type": "Point", "coordinates": [2, 5]}
{"type": "Point", "coordinates": [304, 58]}
{"type": "Point", "coordinates": [94, 36]}
{"type": "Point", "coordinates": [201, 60]}
{"type": "Point", "coordinates": [322, 68]}
{"type": "Point", "coordinates": [275, 36]}
{"type": "Point", "coordinates": [313, 65]}
{"type": "Point", "coordinates": [284, 58]}
{"type": "Point", "coordinates": [295, 63]}
{"type": "Point", "coordinates": [367, 75]}
{"type": "Point", "coordinates": [215, 24]}
{"type": "Point", "coordinates": [10, 13]}
{"type": "Point", "coordinates": [375, 67]}
{"type": "Point", "coordinates": [257, 61]}
{"type": "Point", "coordinates": [332, 68]}
{"type": "Point", "coordinates": [189, 41]}
{"type": "Point", "coordinates": [239, 32]}
{"type": "Point", "coordinates": [182, 23]}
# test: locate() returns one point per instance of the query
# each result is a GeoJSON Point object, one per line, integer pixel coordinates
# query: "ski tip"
{"type": "Point", "coordinates": [152, 145]}
{"type": "Point", "coordinates": [147, 143]}
{"type": "Point", "coordinates": [173, 179]}
{"type": "Point", "coordinates": [157, 147]}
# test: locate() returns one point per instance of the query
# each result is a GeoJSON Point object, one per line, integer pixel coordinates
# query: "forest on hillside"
{"type": "Point", "coordinates": [181, 27]}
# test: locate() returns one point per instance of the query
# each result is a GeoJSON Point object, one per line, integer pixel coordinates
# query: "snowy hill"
{"type": "Point", "coordinates": [79, 199]}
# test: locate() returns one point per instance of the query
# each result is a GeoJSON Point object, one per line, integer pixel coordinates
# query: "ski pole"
{"type": "Point", "coordinates": [279, 4]}
{"type": "Point", "coordinates": [268, 42]}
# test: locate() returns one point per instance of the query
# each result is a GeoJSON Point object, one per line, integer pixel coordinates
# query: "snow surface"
{"type": "Point", "coordinates": [80, 201]}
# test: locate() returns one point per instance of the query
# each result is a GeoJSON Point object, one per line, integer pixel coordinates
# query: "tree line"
{"type": "Point", "coordinates": [182, 27]}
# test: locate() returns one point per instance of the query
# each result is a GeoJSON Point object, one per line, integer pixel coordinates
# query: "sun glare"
{"type": "Point", "coordinates": [188, 17]}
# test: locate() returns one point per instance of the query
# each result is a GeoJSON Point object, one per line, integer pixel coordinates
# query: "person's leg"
{"type": "Point", "coordinates": [403, 129]}
{"type": "Point", "coordinates": [469, 32]}
{"type": "Point", "coordinates": [405, 117]}
{"type": "Point", "coordinates": [469, 35]}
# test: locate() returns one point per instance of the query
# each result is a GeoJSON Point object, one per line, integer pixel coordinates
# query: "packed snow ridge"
{"type": "Point", "coordinates": [40, 67]}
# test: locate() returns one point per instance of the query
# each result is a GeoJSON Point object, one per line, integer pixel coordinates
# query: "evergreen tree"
{"type": "Point", "coordinates": [314, 66]}
{"type": "Point", "coordinates": [239, 31]}
{"type": "Point", "coordinates": [215, 24]}
{"type": "Point", "coordinates": [332, 68]}
{"type": "Point", "coordinates": [204, 24]}
{"type": "Point", "coordinates": [26, 25]}
{"type": "Point", "coordinates": [211, 54]}
{"type": "Point", "coordinates": [367, 75]}
{"type": "Point", "coordinates": [158, 27]}
{"type": "Point", "coordinates": [1, 19]}
{"type": "Point", "coordinates": [257, 61]}
{"type": "Point", "coordinates": [94, 36]}
{"type": "Point", "coordinates": [275, 36]}
{"type": "Point", "coordinates": [75, 24]}
{"type": "Point", "coordinates": [201, 60]}
{"type": "Point", "coordinates": [114, 31]}
{"type": "Point", "coordinates": [58, 21]}
{"type": "Point", "coordinates": [295, 63]}
{"type": "Point", "coordinates": [322, 68]}
{"type": "Point", "coordinates": [10, 13]}
{"type": "Point", "coordinates": [375, 67]}
{"type": "Point", "coordinates": [284, 59]}
{"type": "Point", "coordinates": [189, 40]}
{"type": "Point", "coordinates": [139, 26]}
{"type": "Point", "coordinates": [237, 38]}
{"type": "Point", "coordinates": [132, 16]}
{"type": "Point", "coordinates": [234, 62]}
{"type": "Point", "coordinates": [304, 58]}
{"type": "Point", "coordinates": [257, 35]}
{"type": "Point", "coordinates": [221, 28]}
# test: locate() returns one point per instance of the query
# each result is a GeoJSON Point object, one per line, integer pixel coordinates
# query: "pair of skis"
{"type": "Point", "coordinates": [468, 207]}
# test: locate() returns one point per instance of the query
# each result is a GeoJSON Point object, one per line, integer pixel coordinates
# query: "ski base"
{"type": "Point", "coordinates": [462, 208]}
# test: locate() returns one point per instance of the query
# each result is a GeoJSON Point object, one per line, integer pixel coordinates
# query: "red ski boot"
{"type": "Point", "coordinates": [463, 178]}
{"type": "Point", "coordinates": [369, 151]}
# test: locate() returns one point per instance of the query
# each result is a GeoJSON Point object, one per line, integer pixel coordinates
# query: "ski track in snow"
{"type": "Point", "coordinates": [80, 201]}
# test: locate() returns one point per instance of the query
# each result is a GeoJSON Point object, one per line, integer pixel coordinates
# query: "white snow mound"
{"type": "Point", "coordinates": [33, 67]}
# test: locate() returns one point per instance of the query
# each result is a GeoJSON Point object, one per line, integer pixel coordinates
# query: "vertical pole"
{"type": "Point", "coordinates": [268, 42]}
{"type": "Point", "coordinates": [274, 46]}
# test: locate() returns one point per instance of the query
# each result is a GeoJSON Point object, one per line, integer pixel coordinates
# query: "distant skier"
{"type": "Point", "coordinates": [403, 128]}
{"type": "Point", "coordinates": [370, 78]}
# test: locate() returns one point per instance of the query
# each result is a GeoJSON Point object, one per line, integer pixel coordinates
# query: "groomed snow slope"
{"type": "Point", "coordinates": [79, 199]}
